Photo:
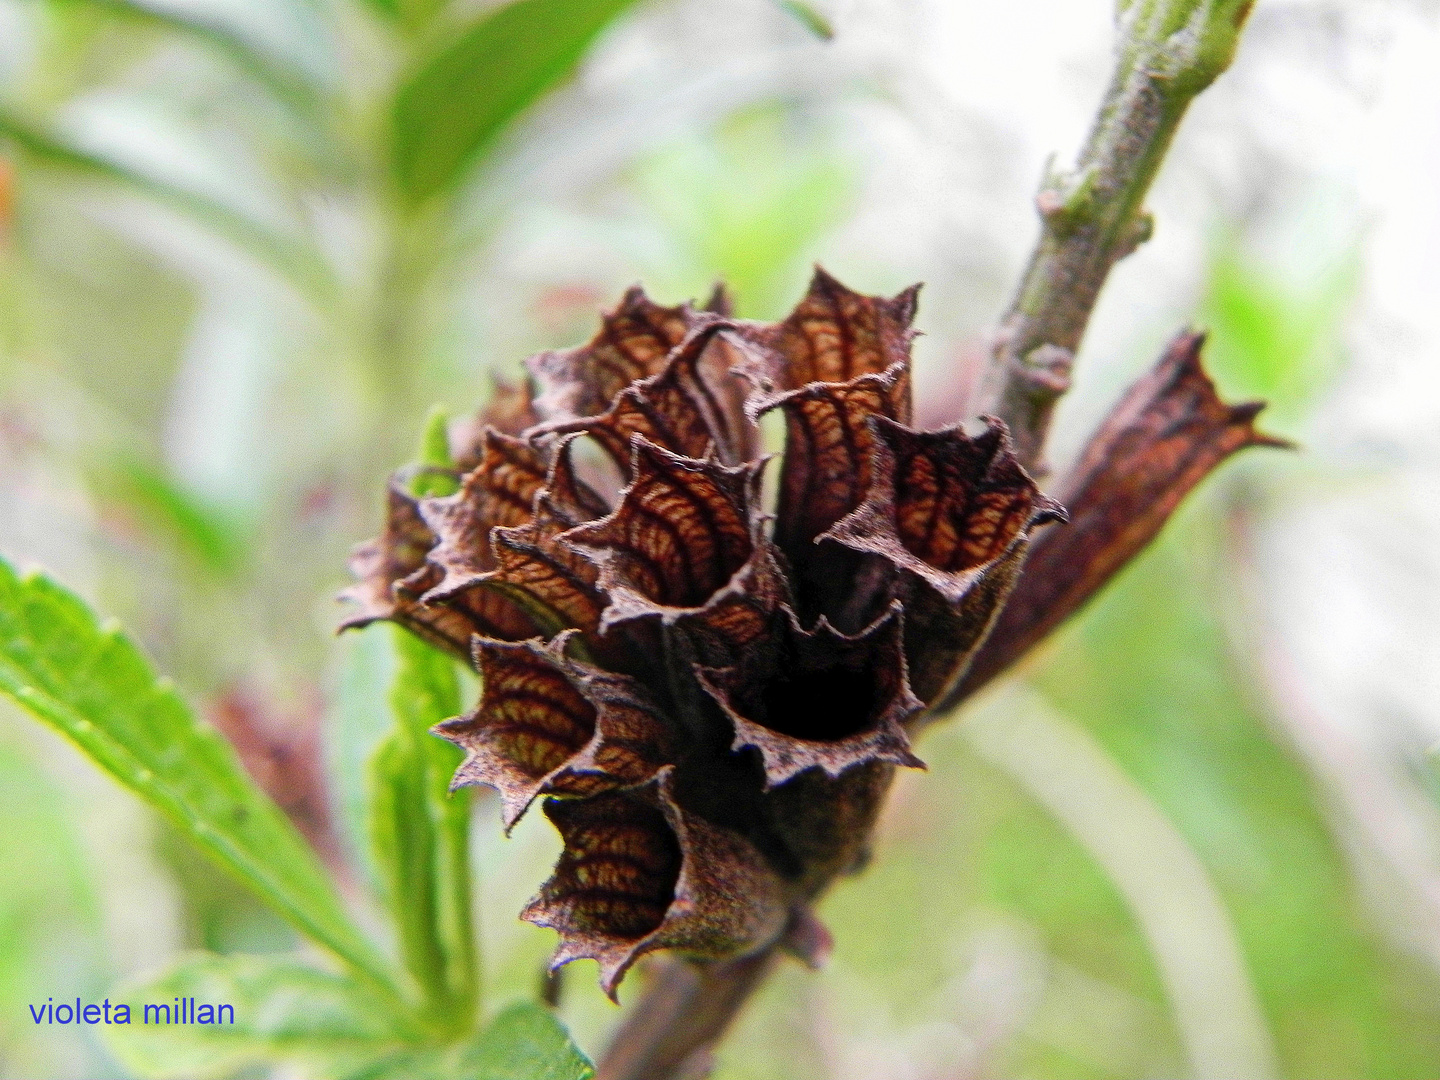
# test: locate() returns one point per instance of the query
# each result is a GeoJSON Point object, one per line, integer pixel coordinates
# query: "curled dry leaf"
{"type": "Point", "coordinates": [632, 344]}
{"type": "Point", "coordinates": [510, 411]}
{"type": "Point", "coordinates": [694, 406]}
{"type": "Point", "coordinates": [499, 491]}
{"type": "Point", "coordinates": [833, 335]}
{"type": "Point", "coordinates": [714, 702]}
{"type": "Point", "coordinates": [682, 530]}
{"type": "Point", "coordinates": [952, 514]}
{"type": "Point", "coordinates": [943, 506]}
{"type": "Point", "coordinates": [549, 725]}
{"type": "Point", "coordinates": [394, 575]}
{"type": "Point", "coordinates": [829, 441]}
{"type": "Point", "coordinates": [640, 873]}
{"type": "Point", "coordinates": [486, 548]}
{"type": "Point", "coordinates": [1168, 432]}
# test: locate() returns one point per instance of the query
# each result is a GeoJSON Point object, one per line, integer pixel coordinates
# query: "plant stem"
{"type": "Point", "coordinates": [1091, 217]}
{"type": "Point", "coordinates": [685, 1009]}
{"type": "Point", "coordinates": [1168, 52]}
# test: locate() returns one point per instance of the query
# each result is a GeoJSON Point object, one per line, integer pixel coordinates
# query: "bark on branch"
{"type": "Point", "coordinates": [670, 1032]}
{"type": "Point", "coordinates": [1091, 216]}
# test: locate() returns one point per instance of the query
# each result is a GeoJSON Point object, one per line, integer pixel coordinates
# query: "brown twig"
{"type": "Point", "coordinates": [685, 1009]}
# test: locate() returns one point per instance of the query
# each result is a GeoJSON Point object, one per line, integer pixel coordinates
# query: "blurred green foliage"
{"type": "Point", "coordinates": [1272, 337]}
{"type": "Point", "coordinates": [92, 685]}
{"type": "Point", "coordinates": [1150, 673]}
{"type": "Point", "coordinates": [280, 227]}
{"type": "Point", "coordinates": [459, 99]}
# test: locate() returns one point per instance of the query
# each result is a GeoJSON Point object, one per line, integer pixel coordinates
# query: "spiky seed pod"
{"type": "Point", "coordinates": [712, 700]}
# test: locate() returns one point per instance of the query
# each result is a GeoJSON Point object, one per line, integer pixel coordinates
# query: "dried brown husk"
{"type": "Point", "coordinates": [714, 702]}
{"type": "Point", "coordinates": [640, 873]}
{"type": "Point", "coordinates": [547, 724]}
{"type": "Point", "coordinates": [1167, 433]}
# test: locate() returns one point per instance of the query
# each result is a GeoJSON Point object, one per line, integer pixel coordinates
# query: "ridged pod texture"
{"type": "Point", "coordinates": [710, 698]}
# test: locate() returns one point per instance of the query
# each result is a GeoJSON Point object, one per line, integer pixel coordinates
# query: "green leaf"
{"type": "Point", "coordinates": [437, 475]}
{"type": "Point", "coordinates": [268, 53]}
{"type": "Point", "coordinates": [525, 1042]}
{"type": "Point", "coordinates": [283, 1010]}
{"type": "Point", "coordinates": [204, 532]}
{"type": "Point", "coordinates": [806, 15]}
{"type": "Point", "coordinates": [420, 834]}
{"type": "Point", "coordinates": [452, 107]}
{"type": "Point", "coordinates": [298, 263]}
{"type": "Point", "coordinates": [92, 684]}
{"type": "Point", "coordinates": [403, 840]}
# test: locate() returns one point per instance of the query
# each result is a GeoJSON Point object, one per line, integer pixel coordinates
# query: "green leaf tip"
{"type": "Point", "coordinates": [435, 441]}
{"type": "Point", "coordinates": [806, 15]}
{"type": "Point", "coordinates": [436, 475]}
{"type": "Point", "coordinates": [84, 677]}
{"type": "Point", "coordinates": [452, 107]}
{"type": "Point", "coordinates": [526, 1042]}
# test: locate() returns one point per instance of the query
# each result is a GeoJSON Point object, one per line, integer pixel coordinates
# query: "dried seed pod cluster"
{"type": "Point", "coordinates": [711, 698]}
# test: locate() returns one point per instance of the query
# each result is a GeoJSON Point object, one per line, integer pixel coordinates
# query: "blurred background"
{"type": "Point", "coordinates": [1198, 834]}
